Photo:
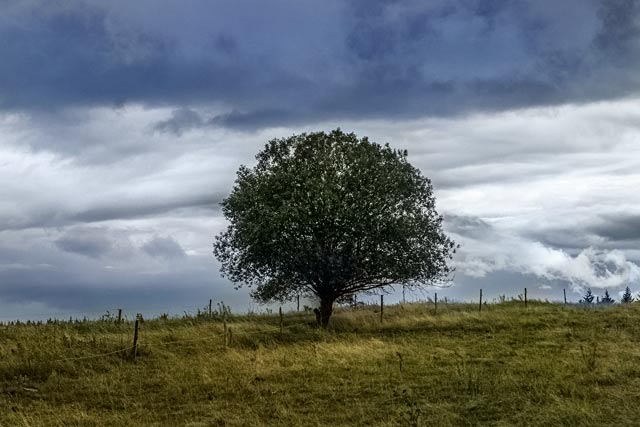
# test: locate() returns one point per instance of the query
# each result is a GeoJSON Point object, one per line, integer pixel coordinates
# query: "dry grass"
{"type": "Point", "coordinates": [547, 365]}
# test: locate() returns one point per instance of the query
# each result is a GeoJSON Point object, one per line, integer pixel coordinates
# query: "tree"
{"type": "Point", "coordinates": [627, 297]}
{"type": "Point", "coordinates": [588, 297]}
{"type": "Point", "coordinates": [606, 299]}
{"type": "Point", "coordinates": [331, 215]}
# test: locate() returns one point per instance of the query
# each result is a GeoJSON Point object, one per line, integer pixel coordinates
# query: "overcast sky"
{"type": "Point", "coordinates": [122, 125]}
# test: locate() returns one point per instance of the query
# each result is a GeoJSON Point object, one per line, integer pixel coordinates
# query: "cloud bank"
{"type": "Point", "coordinates": [250, 64]}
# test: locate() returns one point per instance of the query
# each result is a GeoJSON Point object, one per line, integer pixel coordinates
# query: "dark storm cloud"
{"type": "Point", "coordinates": [618, 227]}
{"type": "Point", "coordinates": [185, 119]}
{"type": "Point", "coordinates": [607, 231]}
{"type": "Point", "coordinates": [129, 209]}
{"type": "Point", "coordinates": [181, 120]}
{"type": "Point", "coordinates": [467, 226]}
{"type": "Point", "coordinates": [164, 247]}
{"type": "Point", "coordinates": [620, 28]}
{"type": "Point", "coordinates": [283, 62]}
{"type": "Point", "coordinates": [173, 292]}
{"type": "Point", "coordinates": [89, 245]}
{"type": "Point", "coordinates": [115, 210]}
{"type": "Point", "coordinates": [572, 240]}
{"type": "Point", "coordinates": [91, 269]}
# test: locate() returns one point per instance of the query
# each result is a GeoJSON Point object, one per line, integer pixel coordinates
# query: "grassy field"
{"type": "Point", "coordinates": [546, 365]}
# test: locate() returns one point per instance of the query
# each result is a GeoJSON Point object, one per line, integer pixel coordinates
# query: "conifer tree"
{"type": "Point", "coordinates": [588, 297]}
{"type": "Point", "coordinates": [606, 299]}
{"type": "Point", "coordinates": [627, 297]}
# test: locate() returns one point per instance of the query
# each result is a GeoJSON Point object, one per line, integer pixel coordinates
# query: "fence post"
{"type": "Point", "coordinates": [119, 315]}
{"type": "Point", "coordinates": [381, 307]}
{"type": "Point", "coordinates": [525, 297]}
{"type": "Point", "coordinates": [435, 301]}
{"type": "Point", "coordinates": [403, 290]}
{"type": "Point", "coordinates": [281, 319]}
{"type": "Point", "coordinates": [564, 291]}
{"type": "Point", "coordinates": [298, 309]}
{"type": "Point", "coordinates": [210, 308]}
{"type": "Point", "coordinates": [134, 350]}
{"type": "Point", "coordinates": [480, 299]}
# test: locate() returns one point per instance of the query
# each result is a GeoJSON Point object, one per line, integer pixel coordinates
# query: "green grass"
{"type": "Point", "coordinates": [546, 365]}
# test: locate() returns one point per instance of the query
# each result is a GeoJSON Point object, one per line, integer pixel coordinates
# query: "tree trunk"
{"type": "Point", "coordinates": [326, 309]}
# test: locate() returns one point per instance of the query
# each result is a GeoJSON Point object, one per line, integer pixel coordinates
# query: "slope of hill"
{"type": "Point", "coordinates": [545, 365]}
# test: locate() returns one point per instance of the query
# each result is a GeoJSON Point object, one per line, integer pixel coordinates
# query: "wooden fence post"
{"type": "Point", "coordinates": [564, 291]}
{"type": "Point", "coordinates": [134, 350]}
{"type": "Point", "coordinates": [298, 309]}
{"type": "Point", "coordinates": [210, 308]}
{"type": "Point", "coordinates": [435, 301]}
{"type": "Point", "coordinates": [281, 320]}
{"type": "Point", "coordinates": [403, 298]}
{"type": "Point", "coordinates": [119, 315]}
{"type": "Point", "coordinates": [525, 297]}
{"type": "Point", "coordinates": [480, 299]}
{"type": "Point", "coordinates": [381, 307]}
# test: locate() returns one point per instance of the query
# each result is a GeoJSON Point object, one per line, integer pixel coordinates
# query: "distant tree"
{"type": "Point", "coordinates": [331, 215]}
{"type": "Point", "coordinates": [588, 297]}
{"type": "Point", "coordinates": [627, 297]}
{"type": "Point", "coordinates": [606, 299]}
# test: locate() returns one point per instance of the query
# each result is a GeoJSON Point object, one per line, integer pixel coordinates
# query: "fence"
{"type": "Point", "coordinates": [222, 314]}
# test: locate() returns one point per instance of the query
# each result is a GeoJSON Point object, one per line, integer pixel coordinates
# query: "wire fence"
{"type": "Point", "coordinates": [221, 313]}
{"type": "Point", "coordinates": [210, 337]}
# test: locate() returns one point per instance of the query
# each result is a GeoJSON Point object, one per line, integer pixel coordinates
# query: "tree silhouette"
{"type": "Point", "coordinates": [588, 297]}
{"type": "Point", "coordinates": [331, 215]}
{"type": "Point", "coordinates": [627, 297]}
{"type": "Point", "coordinates": [606, 299]}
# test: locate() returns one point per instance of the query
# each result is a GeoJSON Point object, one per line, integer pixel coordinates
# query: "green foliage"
{"type": "Point", "coordinates": [588, 297]}
{"type": "Point", "coordinates": [331, 215]}
{"type": "Point", "coordinates": [606, 299]}
{"type": "Point", "coordinates": [627, 297]}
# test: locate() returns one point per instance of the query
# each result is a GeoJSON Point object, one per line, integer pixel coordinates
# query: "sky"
{"type": "Point", "coordinates": [122, 125]}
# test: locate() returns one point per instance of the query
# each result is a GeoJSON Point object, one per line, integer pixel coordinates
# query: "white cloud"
{"type": "Point", "coordinates": [536, 178]}
{"type": "Point", "coordinates": [503, 251]}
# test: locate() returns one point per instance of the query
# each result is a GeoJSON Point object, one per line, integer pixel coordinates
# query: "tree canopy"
{"type": "Point", "coordinates": [331, 215]}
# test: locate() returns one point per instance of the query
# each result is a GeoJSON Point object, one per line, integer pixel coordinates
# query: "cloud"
{"type": "Point", "coordinates": [95, 242]}
{"type": "Point", "coordinates": [494, 250]}
{"type": "Point", "coordinates": [91, 246]}
{"type": "Point", "coordinates": [533, 195]}
{"type": "Point", "coordinates": [618, 227]}
{"type": "Point", "coordinates": [164, 247]}
{"type": "Point", "coordinates": [134, 209]}
{"type": "Point", "coordinates": [180, 121]}
{"type": "Point", "coordinates": [288, 63]}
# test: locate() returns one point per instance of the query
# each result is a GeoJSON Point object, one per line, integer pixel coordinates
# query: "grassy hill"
{"type": "Point", "coordinates": [546, 365]}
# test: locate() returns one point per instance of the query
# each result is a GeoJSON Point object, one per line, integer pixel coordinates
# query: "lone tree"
{"type": "Point", "coordinates": [627, 297]}
{"type": "Point", "coordinates": [331, 215]}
